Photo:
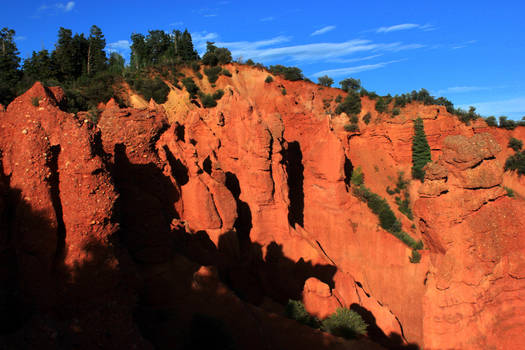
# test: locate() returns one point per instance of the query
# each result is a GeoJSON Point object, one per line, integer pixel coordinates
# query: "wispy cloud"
{"type": "Point", "coordinates": [512, 107]}
{"type": "Point", "coordinates": [119, 46]}
{"type": "Point", "coordinates": [323, 30]}
{"type": "Point", "coordinates": [200, 38]}
{"type": "Point", "coordinates": [59, 6]}
{"type": "Point", "coordinates": [210, 15]}
{"type": "Point", "coordinates": [462, 89]}
{"type": "Point", "coordinates": [267, 19]}
{"type": "Point", "coordinates": [176, 24]}
{"type": "Point", "coordinates": [20, 38]}
{"type": "Point", "coordinates": [352, 70]}
{"type": "Point", "coordinates": [311, 52]}
{"type": "Point", "coordinates": [357, 59]}
{"type": "Point", "coordinates": [463, 44]}
{"type": "Point", "coordinates": [405, 26]}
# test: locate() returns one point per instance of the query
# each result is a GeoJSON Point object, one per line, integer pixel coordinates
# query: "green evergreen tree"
{"type": "Point", "coordinates": [325, 81]}
{"type": "Point", "coordinates": [9, 64]}
{"type": "Point", "coordinates": [96, 59]}
{"type": "Point", "coordinates": [138, 57]}
{"type": "Point", "coordinates": [116, 63]}
{"type": "Point", "coordinates": [350, 84]}
{"type": "Point", "coordinates": [420, 150]}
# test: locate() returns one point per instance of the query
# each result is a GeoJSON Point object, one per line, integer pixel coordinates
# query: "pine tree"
{"type": "Point", "coordinates": [420, 150]}
{"type": "Point", "coordinates": [9, 64]}
{"type": "Point", "coordinates": [138, 57]}
{"type": "Point", "coordinates": [96, 57]}
{"type": "Point", "coordinates": [39, 67]}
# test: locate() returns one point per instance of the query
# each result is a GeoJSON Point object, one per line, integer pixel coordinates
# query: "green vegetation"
{"type": "Point", "coordinates": [338, 99]}
{"type": "Point", "coordinates": [216, 55]}
{"type": "Point", "coordinates": [351, 105]}
{"type": "Point", "coordinates": [507, 124]}
{"type": "Point", "coordinates": [268, 79]}
{"type": "Point", "coordinates": [515, 144]}
{"type": "Point", "coordinates": [396, 111]}
{"type": "Point", "coordinates": [296, 311]}
{"type": "Point", "coordinates": [491, 121]}
{"type": "Point", "coordinates": [403, 203]}
{"type": "Point", "coordinates": [345, 323]}
{"type": "Point", "coordinates": [367, 117]}
{"type": "Point", "coordinates": [381, 105]}
{"type": "Point", "coordinates": [226, 73]}
{"type": "Point", "coordinates": [510, 192]}
{"type": "Point", "coordinates": [288, 73]}
{"type": "Point", "coordinates": [283, 91]}
{"type": "Point", "coordinates": [190, 86]}
{"type": "Point", "coordinates": [380, 207]}
{"type": "Point", "coordinates": [35, 101]}
{"type": "Point", "coordinates": [516, 162]}
{"type": "Point", "coordinates": [351, 127]}
{"type": "Point", "coordinates": [420, 151]}
{"type": "Point", "coordinates": [154, 89]}
{"type": "Point", "coordinates": [325, 80]}
{"type": "Point", "coordinates": [350, 84]}
{"type": "Point", "coordinates": [415, 258]}
{"type": "Point", "coordinates": [213, 73]}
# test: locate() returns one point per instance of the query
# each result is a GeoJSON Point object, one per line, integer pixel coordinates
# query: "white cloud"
{"type": "Point", "coordinates": [210, 15]}
{"type": "Point", "coordinates": [461, 89]}
{"type": "Point", "coordinates": [20, 38]}
{"type": "Point", "coordinates": [352, 70]}
{"type": "Point", "coordinates": [323, 30]}
{"type": "Point", "coordinates": [311, 52]}
{"type": "Point", "coordinates": [267, 19]}
{"type": "Point", "coordinates": [405, 26]}
{"type": "Point", "coordinates": [176, 24]}
{"type": "Point", "coordinates": [463, 44]}
{"type": "Point", "coordinates": [512, 107]}
{"type": "Point", "coordinates": [119, 46]}
{"type": "Point", "coordinates": [59, 6]}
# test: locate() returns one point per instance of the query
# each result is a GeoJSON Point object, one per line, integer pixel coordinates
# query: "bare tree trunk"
{"type": "Point", "coordinates": [88, 58]}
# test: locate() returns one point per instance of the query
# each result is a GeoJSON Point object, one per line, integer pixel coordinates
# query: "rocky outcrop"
{"type": "Point", "coordinates": [229, 212]}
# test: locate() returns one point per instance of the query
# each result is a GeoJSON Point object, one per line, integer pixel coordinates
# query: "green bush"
{"type": "Point", "coordinates": [510, 192]}
{"type": "Point", "coordinates": [366, 118]}
{"type": "Point", "coordinates": [191, 87]}
{"type": "Point", "coordinates": [149, 88]}
{"type": "Point", "coordinates": [415, 258]}
{"type": "Point", "coordinates": [218, 95]}
{"type": "Point", "coordinates": [207, 100]}
{"type": "Point", "coordinates": [358, 178]}
{"type": "Point", "coordinates": [396, 111]}
{"type": "Point", "coordinates": [93, 115]}
{"type": "Point", "coordinates": [35, 101]}
{"type": "Point", "coordinates": [507, 124]}
{"type": "Point", "coordinates": [226, 73]}
{"type": "Point", "coordinates": [420, 150]}
{"type": "Point", "coordinates": [516, 163]}
{"type": "Point", "coordinates": [325, 81]}
{"type": "Point", "coordinates": [350, 84]}
{"type": "Point", "coordinates": [491, 121]}
{"type": "Point", "coordinates": [296, 311]}
{"type": "Point", "coordinates": [283, 91]}
{"type": "Point", "coordinates": [354, 119]}
{"type": "Point", "coordinates": [268, 79]}
{"type": "Point", "coordinates": [212, 73]}
{"type": "Point", "coordinates": [338, 99]}
{"type": "Point", "coordinates": [195, 66]}
{"type": "Point", "coordinates": [515, 144]}
{"type": "Point", "coordinates": [404, 206]}
{"type": "Point", "coordinates": [345, 323]}
{"type": "Point", "coordinates": [288, 73]}
{"type": "Point", "coordinates": [351, 127]}
{"type": "Point", "coordinates": [351, 104]}
{"type": "Point", "coordinates": [381, 105]}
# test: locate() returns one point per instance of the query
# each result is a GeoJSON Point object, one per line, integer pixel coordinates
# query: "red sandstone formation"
{"type": "Point", "coordinates": [233, 210]}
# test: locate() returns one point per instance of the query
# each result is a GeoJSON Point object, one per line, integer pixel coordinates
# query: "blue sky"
{"type": "Point", "coordinates": [472, 52]}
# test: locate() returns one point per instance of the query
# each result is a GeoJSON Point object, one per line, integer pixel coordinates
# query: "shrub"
{"type": "Point", "coordinates": [151, 88]}
{"type": "Point", "coordinates": [218, 94]}
{"type": "Point", "coordinates": [268, 79]}
{"type": "Point", "coordinates": [283, 91]}
{"type": "Point", "coordinates": [516, 163]}
{"type": "Point", "coordinates": [325, 80]}
{"type": "Point", "coordinates": [381, 105]}
{"type": "Point", "coordinates": [420, 150]}
{"type": "Point", "coordinates": [354, 119]}
{"type": "Point", "coordinates": [190, 86]}
{"type": "Point", "coordinates": [208, 101]}
{"type": "Point", "coordinates": [296, 311]}
{"type": "Point", "coordinates": [345, 323]}
{"type": "Point", "coordinates": [226, 73]}
{"type": "Point", "coordinates": [507, 124]}
{"type": "Point", "coordinates": [338, 99]}
{"type": "Point", "coordinates": [404, 206]}
{"type": "Point", "coordinates": [351, 104]}
{"type": "Point", "coordinates": [358, 178]}
{"type": "Point", "coordinates": [366, 118]}
{"type": "Point", "coordinates": [212, 73]}
{"type": "Point", "coordinates": [396, 111]}
{"type": "Point", "coordinates": [249, 62]}
{"type": "Point", "coordinates": [415, 258]}
{"type": "Point", "coordinates": [196, 66]}
{"type": "Point", "coordinates": [351, 127]}
{"type": "Point", "coordinates": [515, 144]}
{"type": "Point", "coordinates": [35, 101]}
{"type": "Point", "coordinates": [491, 121]}
{"type": "Point", "coordinates": [510, 192]}
{"type": "Point", "coordinates": [288, 73]}
{"type": "Point", "coordinates": [350, 84]}
{"type": "Point", "coordinates": [93, 115]}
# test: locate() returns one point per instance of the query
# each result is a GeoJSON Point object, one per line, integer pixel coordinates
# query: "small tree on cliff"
{"type": "Point", "coordinates": [325, 80]}
{"type": "Point", "coordinates": [420, 150]}
{"type": "Point", "coordinates": [9, 63]}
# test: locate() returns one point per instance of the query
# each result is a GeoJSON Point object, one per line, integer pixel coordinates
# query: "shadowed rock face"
{"type": "Point", "coordinates": [191, 219]}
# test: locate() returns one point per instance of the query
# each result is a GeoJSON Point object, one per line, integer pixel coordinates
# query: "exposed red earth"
{"type": "Point", "coordinates": [118, 234]}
